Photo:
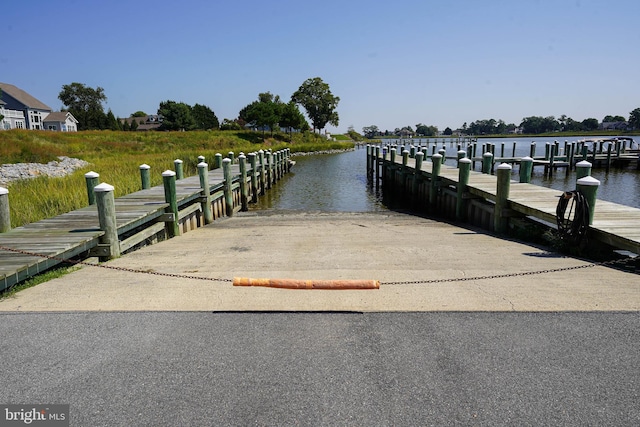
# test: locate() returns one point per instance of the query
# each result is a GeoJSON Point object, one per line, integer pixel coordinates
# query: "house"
{"type": "Point", "coordinates": [60, 121]}
{"type": "Point", "coordinates": [11, 119]}
{"type": "Point", "coordinates": [18, 100]}
{"type": "Point", "coordinates": [148, 122]}
{"type": "Point", "coordinates": [23, 111]}
{"type": "Point", "coordinates": [614, 126]}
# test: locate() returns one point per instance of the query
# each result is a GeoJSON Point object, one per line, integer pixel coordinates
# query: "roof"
{"type": "Point", "coordinates": [59, 116]}
{"type": "Point", "coordinates": [23, 97]}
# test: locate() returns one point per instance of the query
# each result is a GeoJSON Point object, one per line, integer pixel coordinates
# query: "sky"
{"type": "Point", "coordinates": [392, 64]}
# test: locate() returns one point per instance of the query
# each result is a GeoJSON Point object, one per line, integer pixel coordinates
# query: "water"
{"type": "Point", "coordinates": [337, 182]}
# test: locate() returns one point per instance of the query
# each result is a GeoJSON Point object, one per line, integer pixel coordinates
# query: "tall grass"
{"type": "Point", "coordinates": [116, 156]}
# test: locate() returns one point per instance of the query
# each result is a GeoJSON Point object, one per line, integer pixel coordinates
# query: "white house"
{"type": "Point", "coordinates": [60, 121]}
{"type": "Point", "coordinates": [11, 119]}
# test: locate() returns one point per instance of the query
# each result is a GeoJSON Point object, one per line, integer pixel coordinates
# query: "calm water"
{"type": "Point", "coordinates": [337, 182]}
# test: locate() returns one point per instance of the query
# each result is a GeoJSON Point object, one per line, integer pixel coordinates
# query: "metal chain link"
{"type": "Point", "coordinates": [112, 267]}
{"type": "Point", "coordinates": [406, 282]}
{"type": "Point", "coordinates": [502, 276]}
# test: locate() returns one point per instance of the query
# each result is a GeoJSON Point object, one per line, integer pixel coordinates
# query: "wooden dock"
{"type": "Point", "coordinates": [141, 219]}
{"type": "Point", "coordinates": [613, 224]}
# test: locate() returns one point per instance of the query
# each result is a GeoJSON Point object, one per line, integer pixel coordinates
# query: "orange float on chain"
{"type": "Point", "coordinates": [307, 284]}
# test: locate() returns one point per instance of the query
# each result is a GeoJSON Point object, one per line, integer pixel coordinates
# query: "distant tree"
{"type": "Point", "coordinates": [133, 126]}
{"type": "Point", "coordinates": [447, 131]}
{"type": "Point", "coordinates": [204, 117]}
{"type": "Point", "coordinates": [264, 113]}
{"type": "Point", "coordinates": [590, 124]}
{"type": "Point", "coordinates": [571, 125]}
{"type": "Point", "coordinates": [85, 104]}
{"type": "Point", "coordinates": [353, 134]}
{"type": "Point", "coordinates": [537, 124]}
{"type": "Point", "coordinates": [316, 98]}
{"type": "Point", "coordinates": [112, 122]}
{"type": "Point", "coordinates": [139, 114]}
{"type": "Point", "coordinates": [125, 125]}
{"type": "Point", "coordinates": [176, 116]}
{"type": "Point", "coordinates": [228, 124]}
{"type": "Point", "coordinates": [634, 118]}
{"type": "Point", "coordinates": [291, 118]}
{"type": "Point", "coordinates": [613, 119]}
{"type": "Point", "coordinates": [370, 131]}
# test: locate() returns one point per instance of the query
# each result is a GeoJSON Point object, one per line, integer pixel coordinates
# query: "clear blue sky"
{"type": "Point", "coordinates": [437, 62]}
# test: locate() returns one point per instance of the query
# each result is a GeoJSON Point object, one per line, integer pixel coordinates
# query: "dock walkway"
{"type": "Point", "coordinates": [140, 217]}
{"type": "Point", "coordinates": [613, 224]}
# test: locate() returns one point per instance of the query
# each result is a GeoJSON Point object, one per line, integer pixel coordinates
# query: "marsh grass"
{"type": "Point", "coordinates": [117, 156]}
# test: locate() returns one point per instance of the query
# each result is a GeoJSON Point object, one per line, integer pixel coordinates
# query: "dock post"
{"type": "Point", "coordinates": [263, 179]}
{"type": "Point", "coordinates": [145, 176]}
{"type": "Point", "coordinates": [244, 195]}
{"type": "Point", "coordinates": [461, 155]}
{"type": "Point", "coordinates": [588, 186]}
{"type": "Point", "coordinates": [169, 182]}
{"type": "Point", "coordinates": [500, 221]}
{"type": "Point", "coordinates": [217, 162]}
{"type": "Point", "coordinates": [487, 162]}
{"type": "Point", "coordinates": [436, 160]}
{"type": "Point", "coordinates": [91, 179]}
{"type": "Point", "coordinates": [532, 150]}
{"type": "Point", "coordinates": [584, 152]}
{"type": "Point", "coordinates": [201, 159]}
{"type": "Point", "coordinates": [179, 168]}
{"type": "Point", "coordinates": [228, 188]}
{"type": "Point", "coordinates": [105, 203]}
{"type": "Point", "coordinates": [376, 164]}
{"type": "Point", "coordinates": [417, 173]}
{"type": "Point", "coordinates": [205, 204]}
{"type": "Point", "coordinates": [608, 167]}
{"type": "Point", "coordinates": [5, 216]}
{"type": "Point", "coordinates": [583, 169]}
{"type": "Point", "coordinates": [526, 167]}
{"type": "Point", "coordinates": [231, 156]}
{"type": "Point", "coordinates": [464, 167]}
{"type": "Point", "coordinates": [254, 177]}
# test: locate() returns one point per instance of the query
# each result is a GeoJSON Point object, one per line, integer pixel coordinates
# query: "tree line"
{"type": "Point", "coordinates": [528, 125]}
{"type": "Point", "coordinates": [269, 112]}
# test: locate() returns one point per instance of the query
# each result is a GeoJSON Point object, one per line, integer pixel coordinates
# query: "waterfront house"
{"type": "Point", "coordinates": [11, 119]}
{"type": "Point", "coordinates": [18, 100]}
{"type": "Point", "coordinates": [62, 121]}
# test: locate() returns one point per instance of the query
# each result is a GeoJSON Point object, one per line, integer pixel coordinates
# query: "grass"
{"type": "Point", "coordinates": [116, 156]}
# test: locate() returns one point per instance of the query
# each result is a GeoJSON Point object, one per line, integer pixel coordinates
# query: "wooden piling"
{"type": "Point", "coordinates": [169, 182]}
{"type": "Point", "coordinates": [436, 160]}
{"type": "Point", "coordinates": [179, 167]}
{"type": "Point", "coordinates": [205, 204]}
{"type": "Point", "coordinates": [217, 162]}
{"type": "Point", "coordinates": [487, 162]}
{"type": "Point", "coordinates": [91, 179]}
{"type": "Point", "coordinates": [588, 186]}
{"type": "Point", "coordinates": [244, 193]}
{"type": "Point", "coordinates": [583, 169]}
{"type": "Point", "coordinates": [526, 167]}
{"type": "Point", "coordinates": [106, 206]}
{"type": "Point", "coordinates": [228, 189]}
{"type": "Point", "coordinates": [145, 176]}
{"type": "Point", "coordinates": [500, 223]}
{"type": "Point", "coordinates": [254, 177]}
{"type": "Point", "coordinates": [263, 173]}
{"type": "Point", "coordinates": [5, 216]}
{"type": "Point", "coordinates": [464, 168]}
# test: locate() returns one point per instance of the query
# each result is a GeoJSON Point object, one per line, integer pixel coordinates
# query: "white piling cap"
{"type": "Point", "coordinates": [526, 159]}
{"type": "Point", "coordinates": [226, 160]}
{"type": "Point", "coordinates": [177, 161]}
{"type": "Point", "coordinates": [242, 156]}
{"type": "Point", "coordinates": [462, 151]}
{"type": "Point", "coordinates": [203, 165]}
{"type": "Point", "coordinates": [487, 154]}
{"type": "Point", "coordinates": [3, 191]}
{"type": "Point", "coordinates": [583, 164]}
{"type": "Point", "coordinates": [91, 174]}
{"type": "Point", "coordinates": [145, 166]}
{"type": "Point", "coordinates": [504, 166]}
{"type": "Point", "coordinates": [465, 160]}
{"type": "Point", "coordinates": [588, 181]}
{"type": "Point", "coordinates": [168, 173]}
{"type": "Point", "coordinates": [103, 188]}
{"type": "Point", "coordinates": [437, 156]}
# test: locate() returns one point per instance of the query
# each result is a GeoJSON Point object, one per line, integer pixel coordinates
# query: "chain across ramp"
{"type": "Point", "coordinates": [320, 284]}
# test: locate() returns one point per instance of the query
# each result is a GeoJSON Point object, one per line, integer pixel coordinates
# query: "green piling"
{"type": "Point", "coordinates": [500, 220]}
{"type": "Point", "coordinates": [526, 167]}
{"type": "Point", "coordinates": [464, 170]}
{"type": "Point", "coordinates": [106, 206]}
{"type": "Point", "coordinates": [228, 189]}
{"type": "Point", "coordinates": [170, 197]}
{"type": "Point", "coordinates": [145, 176]}
{"type": "Point", "coordinates": [5, 216]}
{"type": "Point", "coordinates": [91, 179]}
{"type": "Point", "coordinates": [205, 204]}
{"type": "Point", "coordinates": [179, 167]}
{"type": "Point", "coordinates": [588, 186]}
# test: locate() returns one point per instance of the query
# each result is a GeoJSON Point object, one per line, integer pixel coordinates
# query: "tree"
{"type": "Point", "coordinates": [228, 124]}
{"type": "Point", "coordinates": [291, 118]}
{"type": "Point", "coordinates": [139, 114]}
{"type": "Point", "coordinates": [370, 131]}
{"type": "Point", "coordinates": [85, 104]}
{"type": "Point", "coordinates": [634, 118]}
{"type": "Point", "coordinates": [176, 116]}
{"type": "Point", "coordinates": [613, 119]}
{"type": "Point", "coordinates": [264, 113]}
{"type": "Point", "coordinates": [112, 122]}
{"type": "Point", "coordinates": [204, 117]}
{"type": "Point", "coordinates": [590, 124]}
{"type": "Point", "coordinates": [316, 98]}
{"type": "Point", "coordinates": [447, 131]}
{"type": "Point", "coordinates": [537, 124]}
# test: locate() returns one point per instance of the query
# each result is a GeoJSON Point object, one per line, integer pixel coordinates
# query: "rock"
{"type": "Point", "coordinates": [62, 167]}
